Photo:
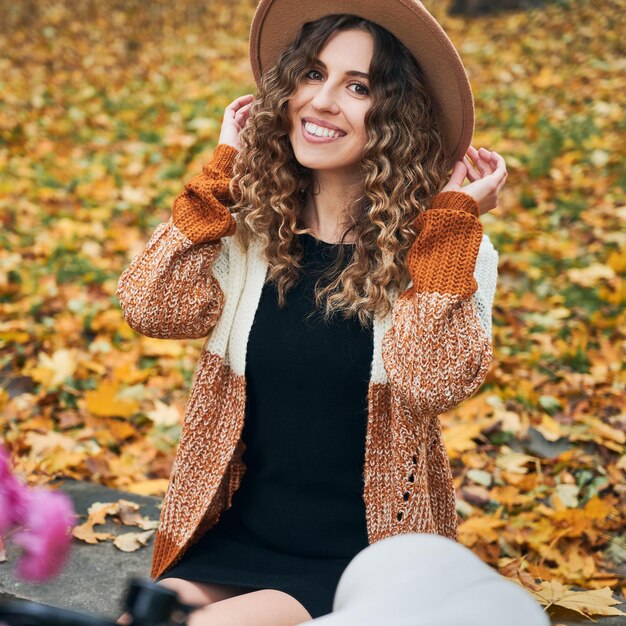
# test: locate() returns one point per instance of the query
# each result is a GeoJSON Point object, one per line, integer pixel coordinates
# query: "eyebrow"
{"type": "Point", "coordinates": [348, 73]}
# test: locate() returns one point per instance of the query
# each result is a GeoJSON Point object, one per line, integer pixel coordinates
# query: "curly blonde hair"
{"type": "Point", "coordinates": [403, 165]}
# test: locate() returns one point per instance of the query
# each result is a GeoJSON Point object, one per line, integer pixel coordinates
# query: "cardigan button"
{"type": "Point", "coordinates": [400, 516]}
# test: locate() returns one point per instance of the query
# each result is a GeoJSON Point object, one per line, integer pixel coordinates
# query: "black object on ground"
{"type": "Point", "coordinates": [147, 603]}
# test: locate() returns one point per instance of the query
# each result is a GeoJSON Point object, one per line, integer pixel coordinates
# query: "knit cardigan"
{"type": "Point", "coordinates": [432, 351]}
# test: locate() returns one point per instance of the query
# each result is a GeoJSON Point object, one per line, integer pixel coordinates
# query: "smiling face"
{"type": "Point", "coordinates": [327, 112]}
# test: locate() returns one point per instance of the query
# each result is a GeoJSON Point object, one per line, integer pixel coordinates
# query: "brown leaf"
{"type": "Point", "coordinates": [475, 494]}
{"type": "Point", "coordinates": [588, 603]}
{"type": "Point", "coordinates": [96, 514]}
{"type": "Point", "coordinates": [86, 533]}
{"type": "Point", "coordinates": [129, 542]}
{"type": "Point", "coordinates": [130, 516]}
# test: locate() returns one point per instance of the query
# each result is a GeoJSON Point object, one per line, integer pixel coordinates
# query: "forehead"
{"type": "Point", "coordinates": [352, 49]}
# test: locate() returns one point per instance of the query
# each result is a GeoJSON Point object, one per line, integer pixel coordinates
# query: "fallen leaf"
{"type": "Point", "coordinates": [153, 487]}
{"type": "Point", "coordinates": [51, 371]}
{"type": "Point", "coordinates": [587, 603]}
{"type": "Point", "coordinates": [129, 542]}
{"type": "Point", "coordinates": [164, 415]}
{"type": "Point", "coordinates": [129, 516]}
{"type": "Point", "coordinates": [103, 401]}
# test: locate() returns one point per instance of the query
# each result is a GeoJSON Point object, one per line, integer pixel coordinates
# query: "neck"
{"type": "Point", "coordinates": [324, 211]}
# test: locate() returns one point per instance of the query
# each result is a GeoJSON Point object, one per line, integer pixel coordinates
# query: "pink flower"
{"type": "Point", "coordinates": [44, 519]}
{"type": "Point", "coordinates": [47, 538]}
{"type": "Point", "coordinates": [13, 495]}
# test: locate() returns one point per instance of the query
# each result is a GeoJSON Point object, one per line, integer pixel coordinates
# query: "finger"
{"type": "Point", "coordinates": [485, 154]}
{"type": "Point", "coordinates": [239, 102]}
{"type": "Point", "coordinates": [498, 160]}
{"type": "Point", "coordinates": [500, 166]}
{"type": "Point", "coordinates": [242, 115]}
{"type": "Point", "coordinates": [242, 99]}
{"type": "Point", "coordinates": [482, 159]}
{"type": "Point", "coordinates": [245, 109]}
{"type": "Point", "coordinates": [472, 172]}
{"type": "Point", "coordinates": [496, 167]}
{"type": "Point", "coordinates": [501, 183]}
{"type": "Point", "coordinates": [458, 173]}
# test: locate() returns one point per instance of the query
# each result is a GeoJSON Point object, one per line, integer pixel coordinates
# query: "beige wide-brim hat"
{"type": "Point", "coordinates": [276, 24]}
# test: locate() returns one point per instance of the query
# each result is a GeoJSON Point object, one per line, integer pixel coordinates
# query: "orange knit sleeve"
{"type": "Point", "coordinates": [169, 290]}
{"type": "Point", "coordinates": [436, 352]}
{"type": "Point", "coordinates": [201, 212]}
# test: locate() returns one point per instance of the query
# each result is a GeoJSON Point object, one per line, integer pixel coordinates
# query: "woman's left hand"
{"type": "Point", "coordinates": [487, 178]}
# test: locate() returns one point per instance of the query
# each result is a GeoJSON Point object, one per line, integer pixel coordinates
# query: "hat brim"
{"type": "Point", "coordinates": [276, 24]}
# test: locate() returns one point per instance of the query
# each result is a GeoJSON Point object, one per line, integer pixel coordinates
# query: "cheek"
{"type": "Point", "coordinates": [297, 100]}
{"type": "Point", "coordinates": [359, 125]}
{"type": "Point", "coordinates": [293, 109]}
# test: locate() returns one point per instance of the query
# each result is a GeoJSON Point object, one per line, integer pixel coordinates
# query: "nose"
{"type": "Point", "coordinates": [324, 99]}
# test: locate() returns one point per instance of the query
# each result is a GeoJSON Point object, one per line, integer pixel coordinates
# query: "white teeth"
{"type": "Point", "coordinates": [320, 131]}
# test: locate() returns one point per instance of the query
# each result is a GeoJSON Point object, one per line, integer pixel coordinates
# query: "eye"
{"type": "Point", "coordinates": [313, 74]}
{"type": "Point", "coordinates": [361, 90]}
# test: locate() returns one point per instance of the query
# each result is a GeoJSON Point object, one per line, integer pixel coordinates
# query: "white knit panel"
{"type": "Point", "coordinates": [255, 272]}
{"type": "Point", "coordinates": [229, 269]}
{"type": "Point", "coordinates": [486, 275]}
{"type": "Point", "coordinates": [220, 265]}
{"type": "Point", "coordinates": [381, 326]}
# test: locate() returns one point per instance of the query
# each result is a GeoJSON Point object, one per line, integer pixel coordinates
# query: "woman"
{"type": "Point", "coordinates": [310, 435]}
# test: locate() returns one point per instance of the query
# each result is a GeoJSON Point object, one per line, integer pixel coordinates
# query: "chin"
{"type": "Point", "coordinates": [322, 161]}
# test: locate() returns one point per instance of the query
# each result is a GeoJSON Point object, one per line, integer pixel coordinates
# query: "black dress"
{"type": "Point", "coordinates": [298, 517]}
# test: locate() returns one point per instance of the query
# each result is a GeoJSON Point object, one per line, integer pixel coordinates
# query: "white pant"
{"type": "Point", "coordinates": [427, 580]}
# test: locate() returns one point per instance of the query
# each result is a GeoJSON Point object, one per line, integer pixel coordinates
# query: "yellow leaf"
{"type": "Point", "coordinates": [547, 78]}
{"type": "Point", "coordinates": [514, 462]}
{"type": "Point", "coordinates": [161, 347]}
{"type": "Point", "coordinates": [59, 461]}
{"type": "Point", "coordinates": [604, 431]}
{"type": "Point", "coordinates": [458, 438]}
{"type": "Point", "coordinates": [589, 276]}
{"type": "Point", "coordinates": [154, 487]}
{"type": "Point", "coordinates": [598, 509]}
{"type": "Point", "coordinates": [44, 444]}
{"type": "Point", "coordinates": [164, 415]}
{"type": "Point", "coordinates": [130, 375]}
{"type": "Point", "coordinates": [617, 261]}
{"type": "Point", "coordinates": [479, 528]}
{"type": "Point", "coordinates": [102, 401]}
{"type": "Point", "coordinates": [52, 371]}
{"type": "Point", "coordinates": [549, 428]}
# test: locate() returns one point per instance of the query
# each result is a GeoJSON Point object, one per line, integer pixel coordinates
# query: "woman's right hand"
{"type": "Point", "coordinates": [235, 117]}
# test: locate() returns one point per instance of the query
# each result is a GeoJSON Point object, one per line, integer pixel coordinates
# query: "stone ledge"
{"type": "Point", "coordinates": [95, 577]}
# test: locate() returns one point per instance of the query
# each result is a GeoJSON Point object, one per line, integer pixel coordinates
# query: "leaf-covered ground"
{"type": "Point", "coordinates": [105, 113]}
